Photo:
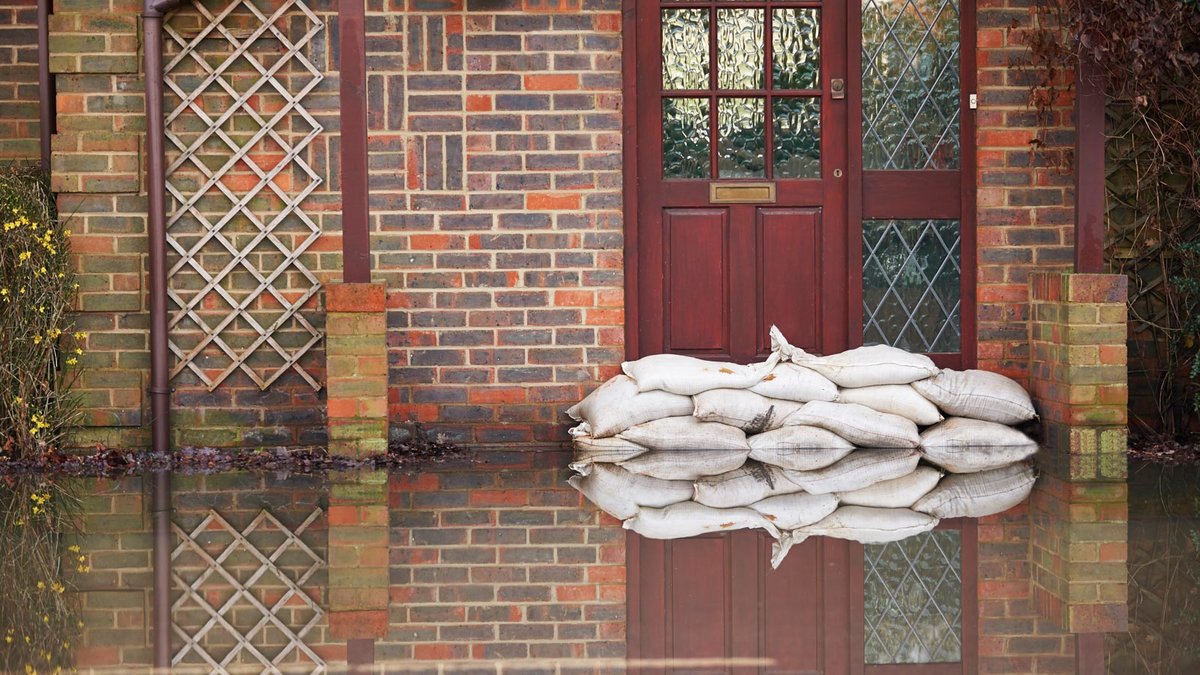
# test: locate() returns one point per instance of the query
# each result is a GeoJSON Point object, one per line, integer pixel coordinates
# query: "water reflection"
{"type": "Point", "coordinates": [503, 567]}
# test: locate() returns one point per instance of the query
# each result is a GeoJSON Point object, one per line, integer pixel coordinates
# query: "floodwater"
{"type": "Point", "coordinates": [497, 566]}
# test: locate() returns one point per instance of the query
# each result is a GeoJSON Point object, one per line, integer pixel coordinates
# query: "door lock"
{"type": "Point", "coordinates": [837, 88]}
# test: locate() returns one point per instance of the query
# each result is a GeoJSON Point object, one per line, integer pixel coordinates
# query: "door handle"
{"type": "Point", "coordinates": [837, 88]}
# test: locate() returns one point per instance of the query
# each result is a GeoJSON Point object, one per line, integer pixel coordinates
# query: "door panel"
{"type": "Point", "coordinates": [789, 276]}
{"type": "Point", "coordinates": [696, 281]}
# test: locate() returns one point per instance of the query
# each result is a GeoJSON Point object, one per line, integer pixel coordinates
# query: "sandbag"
{"type": "Point", "coordinates": [859, 470]}
{"type": "Point", "coordinates": [686, 433]}
{"type": "Point", "coordinates": [799, 448]}
{"type": "Point", "coordinates": [791, 382]}
{"type": "Point", "coordinates": [688, 375]}
{"type": "Point", "coordinates": [980, 395]}
{"type": "Point", "coordinates": [897, 493]}
{"type": "Point", "coordinates": [686, 464]}
{"type": "Point", "coordinates": [610, 450]}
{"type": "Point", "coordinates": [894, 399]}
{"type": "Point", "coordinates": [861, 367]}
{"type": "Point", "coordinates": [743, 486]}
{"type": "Point", "coordinates": [743, 409]}
{"type": "Point", "coordinates": [789, 512]}
{"type": "Point", "coordinates": [979, 494]}
{"type": "Point", "coordinates": [962, 445]}
{"type": "Point", "coordinates": [619, 493]}
{"type": "Point", "coordinates": [858, 424]}
{"type": "Point", "coordinates": [857, 523]}
{"type": "Point", "coordinates": [689, 519]}
{"type": "Point", "coordinates": [617, 405]}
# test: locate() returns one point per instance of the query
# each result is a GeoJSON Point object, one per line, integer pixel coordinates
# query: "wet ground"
{"type": "Point", "coordinates": [496, 565]}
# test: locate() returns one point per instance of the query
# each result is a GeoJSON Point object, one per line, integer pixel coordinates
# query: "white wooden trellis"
{"type": "Point", "coordinates": [205, 296]}
{"type": "Point", "coordinates": [194, 593]}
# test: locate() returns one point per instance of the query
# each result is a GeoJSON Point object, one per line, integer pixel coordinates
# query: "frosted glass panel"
{"type": "Point", "coordinates": [741, 138]}
{"type": "Point", "coordinates": [685, 138]}
{"type": "Point", "coordinates": [685, 48]}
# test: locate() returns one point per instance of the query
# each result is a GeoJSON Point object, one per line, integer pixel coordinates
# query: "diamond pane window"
{"type": "Point", "coordinates": [910, 84]}
{"type": "Point", "coordinates": [913, 599]}
{"type": "Point", "coordinates": [912, 284]}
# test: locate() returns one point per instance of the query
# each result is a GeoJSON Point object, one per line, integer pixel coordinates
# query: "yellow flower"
{"type": "Point", "coordinates": [41, 585]}
{"type": "Point", "coordinates": [23, 256]}
{"type": "Point", "coordinates": [72, 361]}
{"type": "Point", "coordinates": [18, 400]}
{"type": "Point", "coordinates": [79, 335]}
{"type": "Point", "coordinates": [73, 548]}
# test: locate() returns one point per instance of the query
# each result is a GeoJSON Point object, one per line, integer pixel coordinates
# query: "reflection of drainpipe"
{"type": "Point", "coordinates": [45, 83]}
{"type": "Point", "coordinates": [160, 377]}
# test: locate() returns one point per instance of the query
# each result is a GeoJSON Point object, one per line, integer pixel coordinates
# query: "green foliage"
{"type": "Point", "coordinates": [39, 352]}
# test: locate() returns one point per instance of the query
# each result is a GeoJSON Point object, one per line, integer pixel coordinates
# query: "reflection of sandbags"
{"type": "Point", "coordinates": [861, 367]}
{"type": "Point", "coordinates": [686, 433]}
{"type": "Point", "coordinates": [619, 493]}
{"type": "Point", "coordinates": [616, 405]}
{"type": "Point", "coordinates": [859, 470]}
{"type": "Point", "coordinates": [980, 395]}
{"type": "Point", "coordinates": [964, 445]}
{"type": "Point", "coordinates": [857, 523]}
{"type": "Point", "coordinates": [790, 382]}
{"type": "Point", "coordinates": [686, 464]}
{"type": "Point", "coordinates": [799, 448]}
{"type": "Point", "coordinates": [688, 375]}
{"type": "Point", "coordinates": [689, 519]}
{"type": "Point", "coordinates": [612, 450]}
{"type": "Point", "coordinates": [858, 424]}
{"type": "Point", "coordinates": [979, 494]}
{"type": "Point", "coordinates": [743, 409]}
{"type": "Point", "coordinates": [789, 512]}
{"type": "Point", "coordinates": [894, 399]}
{"type": "Point", "coordinates": [897, 493]}
{"type": "Point", "coordinates": [743, 486]}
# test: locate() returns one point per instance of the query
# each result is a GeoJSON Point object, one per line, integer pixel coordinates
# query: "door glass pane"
{"type": "Point", "coordinates": [910, 84]}
{"type": "Point", "coordinates": [685, 49]}
{"type": "Point", "coordinates": [795, 48]}
{"type": "Point", "coordinates": [740, 48]}
{"type": "Point", "coordinates": [797, 137]}
{"type": "Point", "coordinates": [913, 599]}
{"type": "Point", "coordinates": [685, 138]}
{"type": "Point", "coordinates": [741, 138]}
{"type": "Point", "coordinates": [911, 284]}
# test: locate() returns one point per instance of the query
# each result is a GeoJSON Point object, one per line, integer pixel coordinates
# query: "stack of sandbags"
{"type": "Point", "coordinates": [873, 444]}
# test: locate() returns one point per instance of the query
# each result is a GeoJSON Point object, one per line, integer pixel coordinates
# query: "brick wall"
{"type": "Point", "coordinates": [495, 193]}
{"type": "Point", "coordinates": [18, 81]}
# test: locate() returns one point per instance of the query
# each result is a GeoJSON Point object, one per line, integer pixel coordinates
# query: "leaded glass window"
{"type": "Point", "coordinates": [912, 284]}
{"type": "Point", "coordinates": [913, 595]}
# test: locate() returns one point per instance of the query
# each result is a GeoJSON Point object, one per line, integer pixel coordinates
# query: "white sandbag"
{"type": "Point", "coordinates": [857, 523]}
{"type": "Point", "coordinates": [861, 367]}
{"type": "Point", "coordinates": [980, 395]}
{"type": "Point", "coordinates": [686, 464]}
{"type": "Point", "coordinates": [743, 409]}
{"type": "Point", "coordinates": [789, 512]}
{"type": "Point", "coordinates": [897, 493]}
{"type": "Point", "coordinates": [979, 494]}
{"type": "Point", "coordinates": [859, 470]}
{"type": "Point", "coordinates": [894, 399]}
{"type": "Point", "coordinates": [610, 450]}
{"type": "Point", "coordinates": [686, 433]}
{"type": "Point", "coordinates": [617, 405]}
{"type": "Point", "coordinates": [799, 448]}
{"type": "Point", "coordinates": [962, 445]}
{"type": "Point", "coordinates": [688, 375]}
{"type": "Point", "coordinates": [791, 382]}
{"type": "Point", "coordinates": [858, 424]}
{"type": "Point", "coordinates": [690, 519]}
{"type": "Point", "coordinates": [743, 486]}
{"type": "Point", "coordinates": [619, 493]}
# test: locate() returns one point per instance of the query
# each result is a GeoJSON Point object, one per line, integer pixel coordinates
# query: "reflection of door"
{"type": "Point", "coordinates": [742, 169]}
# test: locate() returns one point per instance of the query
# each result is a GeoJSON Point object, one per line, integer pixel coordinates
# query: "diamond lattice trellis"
{"type": "Point", "coordinates": [236, 178]}
{"type": "Point", "coordinates": [237, 579]}
{"type": "Point", "coordinates": [913, 593]}
{"type": "Point", "coordinates": [912, 284]}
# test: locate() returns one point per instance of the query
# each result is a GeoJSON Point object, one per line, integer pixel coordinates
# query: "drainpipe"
{"type": "Point", "coordinates": [45, 83]}
{"type": "Point", "coordinates": [160, 376]}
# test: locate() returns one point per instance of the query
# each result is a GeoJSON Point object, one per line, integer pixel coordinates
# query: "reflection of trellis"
{"type": "Point", "coordinates": [198, 592]}
{"type": "Point", "coordinates": [237, 184]}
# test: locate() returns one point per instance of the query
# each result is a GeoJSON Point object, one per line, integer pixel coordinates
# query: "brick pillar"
{"type": "Point", "coordinates": [356, 368]}
{"type": "Point", "coordinates": [358, 555]}
{"type": "Point", "coordinates": [1079, 377]}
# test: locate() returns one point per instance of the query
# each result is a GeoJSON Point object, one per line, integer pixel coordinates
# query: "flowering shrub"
{"type": "Point", "coordinates": [39, 350]}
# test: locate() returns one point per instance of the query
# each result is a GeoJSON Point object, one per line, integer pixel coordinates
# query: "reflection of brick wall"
{"type": "Point", "coordinates": [18, 81]}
